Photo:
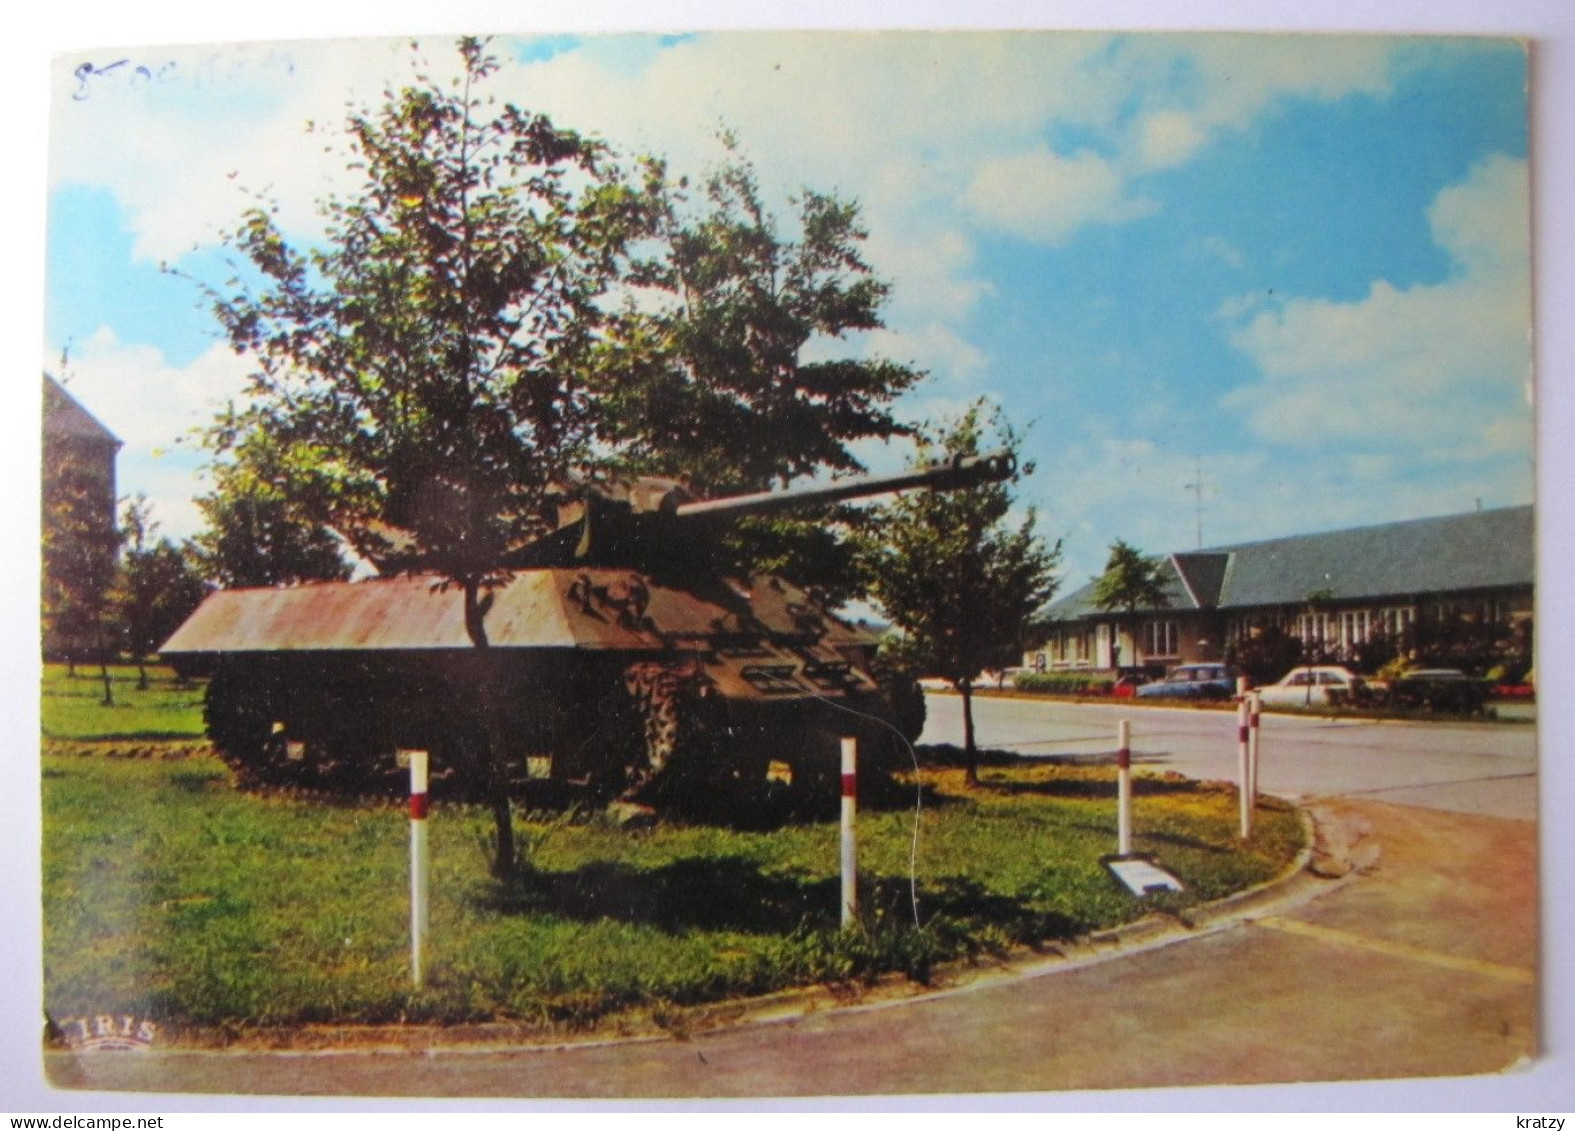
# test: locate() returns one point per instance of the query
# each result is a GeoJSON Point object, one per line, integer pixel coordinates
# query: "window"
{"type": "Point", "coordinates": [1356, 627]}
{"type": "Point", "coordinates": [1398, 619]}
{"type": "Point", "coordinates": [1159, 638]}
{"type": "Point", "coordinates": [1315, 628]}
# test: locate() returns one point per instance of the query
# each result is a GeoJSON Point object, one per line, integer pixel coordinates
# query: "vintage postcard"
{"type": "Point", "coordinates": [788, 564]}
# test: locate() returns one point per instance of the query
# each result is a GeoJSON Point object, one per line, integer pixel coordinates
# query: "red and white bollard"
{"type": "Point", "coordinates": [850, 806]}
{"type": "Point", "coordinates": [1124, 788]}
{"type": "Point", "coordinates": [420, 861]}
{"type": "Point", "coordinates": [1254, 744]}
{"type": "Point", "coordinates": [1243, 763]}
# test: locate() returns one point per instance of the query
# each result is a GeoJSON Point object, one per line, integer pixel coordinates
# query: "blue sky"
{"type": "Point", "coordinates": [1300, 264]}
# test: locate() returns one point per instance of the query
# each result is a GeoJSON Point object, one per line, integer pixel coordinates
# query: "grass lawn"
{"type": "Point", "coordinates": [168, 894]}
{"type": "Point", "coordinates": [72, 707]}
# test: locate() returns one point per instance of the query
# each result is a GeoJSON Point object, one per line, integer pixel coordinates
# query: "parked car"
{"type": "Point", "coordinates": [1127, 686]}
{"type": "Point", "coordinates": [1325, 686]}
{"type": "Point", "coordinates": [1446, 690]}
{"type": "Point", "coordinates": [1192, 681]}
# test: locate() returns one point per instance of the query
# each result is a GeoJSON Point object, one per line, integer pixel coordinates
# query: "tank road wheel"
{"type": "Point", "coordinates": [239, 713]}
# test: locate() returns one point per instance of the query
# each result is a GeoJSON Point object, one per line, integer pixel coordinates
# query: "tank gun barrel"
{"type": "Point", "coordinates": [949, 475]}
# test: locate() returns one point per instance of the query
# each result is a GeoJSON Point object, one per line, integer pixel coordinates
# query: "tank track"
{"type": "Point", "coordinates": [240, 714]}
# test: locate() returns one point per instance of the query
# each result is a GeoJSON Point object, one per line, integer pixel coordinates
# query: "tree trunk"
{"type": "Point", "coordinates": [494, 767]}
{"type": "Point", "coordinates": [970, 750]}
{"type": "Point", "coordinates": [142, 673]}
{"type": "Point", "coordinates": [103, 668]}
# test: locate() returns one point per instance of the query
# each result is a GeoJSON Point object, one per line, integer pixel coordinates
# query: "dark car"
{"type": "Point", "coordinates": [1445, 690]}
{"type": "Point", "coordinates": [1192, 681]}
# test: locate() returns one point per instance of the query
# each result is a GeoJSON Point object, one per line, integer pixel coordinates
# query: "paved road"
{"type": "Point", "coordinates": [1484, 768]}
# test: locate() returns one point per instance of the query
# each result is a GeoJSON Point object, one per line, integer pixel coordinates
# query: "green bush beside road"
{"type": "Point", "coordinates": [1063, 683]}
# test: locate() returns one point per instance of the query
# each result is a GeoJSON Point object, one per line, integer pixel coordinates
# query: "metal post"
{"type": "Point", "coordinates": [850, 805]}
{"type": "Point", "coordinates": [420, 861]}
{"type": "Point", "coordinates": [1124, 788]}
{"type": "Point", "coordinates": [1243, 725]}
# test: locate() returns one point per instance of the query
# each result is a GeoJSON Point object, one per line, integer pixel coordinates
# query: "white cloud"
{"type": "Point", "coordinates": [1042, 196]}
{"type": "Point", "coordinates": [144, 400]}
{"type": "Point", "coordinates": [858, 112]}
{"type": "Point", "coordinates": [1439, 368]}
{"type": "Point", "coordinates": [152, 407]}
{"type": "Point", "coordinates": [1168, 138]}
{"type": "Point", "coordinates": [1223, 250]}
{"type": "Point", "coordinates": [939, 136]}
{"type": "Point", "coordinates": [184, 149]}
{"type": "Point", "coordinates": [935, 348]}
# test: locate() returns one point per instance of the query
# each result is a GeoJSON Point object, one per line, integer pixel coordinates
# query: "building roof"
{"type": "Point", "coordinates": [1491, 549]}
{"type": "Point", "coordinates": [64, 418]}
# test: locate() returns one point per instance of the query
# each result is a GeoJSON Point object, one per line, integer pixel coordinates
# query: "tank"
{"type": "Point", "coordinates": [620, 663]}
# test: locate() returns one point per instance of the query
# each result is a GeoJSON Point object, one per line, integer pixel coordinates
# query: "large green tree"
{"type": "Point", "coordinates": [957, 576]}
{"type": "Point", "coordinates": [501, 303]}
{"type": "Point", "coordinates": [747, 376]}
{"type": "Point", "coordinates": [432, 363]}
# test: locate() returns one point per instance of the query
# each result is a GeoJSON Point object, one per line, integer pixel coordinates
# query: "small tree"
{"type": "Point", "coordinates": [956, 577]}
{"type": "Point", "coordinates": [264, 520]}
{"type": "Point", "coordinates": [80, 545]}
{"type": "Point", "coordinates": [159, 586]}
{"type": "Point", "coordinates": [1131, 581]}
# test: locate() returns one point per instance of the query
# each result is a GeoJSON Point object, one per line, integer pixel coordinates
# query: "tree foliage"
{"type": "Point", "coordinates": [262, 525]}
{"type": "Point", "coordinates": [159, 584]}
{"type": "Point", "coordinates": [955, 574]}
{"type": "Point", "coordinates": [432, 363]}
{"type": "Point", "coordinates": [730, 382]}
{"type": "Point", "coordinates": [502, 305]}
{"type": "Point", "coordinates": [1131, 581]}
{"type": "Point", "coordinates": [717, 382]}
{"type": "Point", "coordinates": [80, 544]}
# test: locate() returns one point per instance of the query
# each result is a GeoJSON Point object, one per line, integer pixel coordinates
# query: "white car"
{"type": "Point", "coordinates": [1315, 687]}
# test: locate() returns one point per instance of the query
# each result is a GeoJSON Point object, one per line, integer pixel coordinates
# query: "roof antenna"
{"type": "Point", "coordinates": [1196, 487]}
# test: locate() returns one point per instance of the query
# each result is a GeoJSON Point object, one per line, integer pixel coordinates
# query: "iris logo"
{"type": "Point", "coordinates": [105, 1032]}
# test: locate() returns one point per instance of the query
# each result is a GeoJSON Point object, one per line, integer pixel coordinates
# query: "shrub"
{"type": "Point", "coordinates": [1064, 683]}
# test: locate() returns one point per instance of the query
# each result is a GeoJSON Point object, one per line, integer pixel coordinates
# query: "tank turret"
{"type": "Point", "coordinates": [630, 671]}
